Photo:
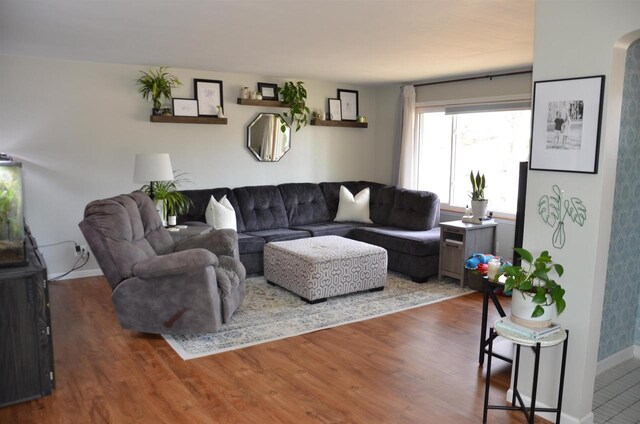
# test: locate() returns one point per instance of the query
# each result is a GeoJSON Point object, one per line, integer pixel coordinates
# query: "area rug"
{"type": "Point", "coordinates": [271, 313]}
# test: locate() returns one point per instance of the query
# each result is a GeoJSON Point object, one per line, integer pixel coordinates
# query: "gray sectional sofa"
{"type": "Point", "coordinates": [405, 222]}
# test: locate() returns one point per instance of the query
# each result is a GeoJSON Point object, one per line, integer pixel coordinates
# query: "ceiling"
{"type": "Point", "coordinates": [355, 41]}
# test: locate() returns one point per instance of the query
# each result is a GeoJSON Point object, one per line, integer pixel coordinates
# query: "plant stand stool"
{"type": "Point", "coordinates": [517, 403]}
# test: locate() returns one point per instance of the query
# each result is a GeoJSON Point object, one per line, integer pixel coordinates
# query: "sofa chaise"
{"type": "Point", "coordinates": [405, 222]}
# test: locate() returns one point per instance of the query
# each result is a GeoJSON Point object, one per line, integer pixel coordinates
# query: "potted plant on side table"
{"type": "Point", "coordinates": [478, 202]}
{"type": "Point", "coordinates": [173, 202]}
{"type": "Point", "coordinates": [534, 289]}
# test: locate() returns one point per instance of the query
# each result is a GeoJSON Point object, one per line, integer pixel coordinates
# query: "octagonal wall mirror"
{"type": "Point", "coordinates": [266, 140]}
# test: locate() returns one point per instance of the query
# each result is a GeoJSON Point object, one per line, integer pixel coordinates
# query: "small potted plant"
{"type": "Point", "coordinates": [295, 96]}
{"type": "Point", "coordinates": [172, 201]}
{"type": "Point", "coordinates": [155, 84]}
{"type": "Point", "coordinates": [478, 201]}
{"type": "Point", "coordinates": [534, 289]}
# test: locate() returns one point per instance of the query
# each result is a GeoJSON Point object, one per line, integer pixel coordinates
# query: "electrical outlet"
{"type": "Point", "coordinates": [83, 249]}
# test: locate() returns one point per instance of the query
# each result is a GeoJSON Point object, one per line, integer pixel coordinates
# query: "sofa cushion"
{"type": "Point", "coordinates": [280, 234]}
{"type": "Point", "coordinates": [382, 200]}
{"type": "Point", "coordinates": [220, 214]}
{"type": "Point", "coordinates": [261, 208]}
{"type": "Point", "coordinates": [250, 244]}
{"type": "Point", "coordinates": [201, 198]}
{"type": "Point", "coordinates": [331, 192]}
{"type": "Point", "coordinates": [416, 243]}
{"type": "Point", "coordinates": [353, 207]}
{"type": "Point", "coordinates": [415, 210]}
{"type": "Point", "coordinates": [304, 203]}
{"type": "Point", "coordinates": [329, 228]}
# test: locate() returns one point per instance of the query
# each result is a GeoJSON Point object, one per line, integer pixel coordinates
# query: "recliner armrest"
{"type": "Point", "coordinates": [174, 263]}
{"type": "Point", "coordinates": [221, 242]}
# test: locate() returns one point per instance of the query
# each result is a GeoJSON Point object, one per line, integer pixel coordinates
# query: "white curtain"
{"type": "Point", "coordinates": [409, 149]}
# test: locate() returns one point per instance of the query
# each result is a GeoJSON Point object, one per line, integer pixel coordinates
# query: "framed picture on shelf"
{"type": "Point", "coordinates": [566, 120]}
{"type": "Point", "coordinates": [185, 107]}
{"type": "Point", "coordinates": [335, 110]}
{"type": "Point", "coordinates": [209, 96]}
{"type": "Point", "coordinates": [349, 99]}
{"type": "Point", "coordinates": [269, 91]}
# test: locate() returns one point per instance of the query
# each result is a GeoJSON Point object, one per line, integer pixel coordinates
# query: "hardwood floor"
{"type": "Point", "coordinates": [417, 366]}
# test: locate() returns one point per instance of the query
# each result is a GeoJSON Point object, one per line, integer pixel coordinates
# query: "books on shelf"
{"type": "Point", "coordinates": [533, 333]}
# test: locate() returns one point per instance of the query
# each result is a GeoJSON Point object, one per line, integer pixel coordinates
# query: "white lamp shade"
{"type": "Point", "coordinates": [152, 167]}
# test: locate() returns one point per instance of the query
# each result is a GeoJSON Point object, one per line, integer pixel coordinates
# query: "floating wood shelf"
{"type": "Point", "coordinates": [347, 124]}
{"type": "Point", "coordinates": [265, 103]}
{"type": "Point", "coordinates": [189, 119]}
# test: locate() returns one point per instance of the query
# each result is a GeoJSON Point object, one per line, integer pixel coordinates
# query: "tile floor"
{"type": "Point", "coordinates": [616, 399]}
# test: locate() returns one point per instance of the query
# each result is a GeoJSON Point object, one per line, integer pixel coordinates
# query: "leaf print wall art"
{"type": "Point", "coordinates": [554, 209]}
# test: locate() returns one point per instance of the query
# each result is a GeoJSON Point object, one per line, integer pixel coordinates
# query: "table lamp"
{"type": "Point", "coordinates": [152, 167]}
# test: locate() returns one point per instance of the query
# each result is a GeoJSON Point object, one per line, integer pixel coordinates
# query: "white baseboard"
{"type": "Point", "coordinates": [549, 416]}
{"type": "Point", "coordinates": [82, 273]}
{"type": "Point", "coordinates": [618, 358]}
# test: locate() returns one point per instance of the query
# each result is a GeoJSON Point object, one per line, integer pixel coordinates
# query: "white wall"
{"type": "Point", "coordinates": [574, 39]}
{"type": "Point", "coordinates": [511, 86]}
{"type": "Point", "coordinates": [76, 127]}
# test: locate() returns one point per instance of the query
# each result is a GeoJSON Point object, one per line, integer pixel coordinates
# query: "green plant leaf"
{"type": "Point", "coordinates": [560, 306]}
{"type": "Point", "coordinates": [524, 254]}
{"type": "Point", "coordinates": [541, 296]}
{"type": "Point", "coordinates": [537, 312]}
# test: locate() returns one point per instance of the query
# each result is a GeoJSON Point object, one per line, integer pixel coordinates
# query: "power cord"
{"type": "Point", "coordinates": [85, 255]}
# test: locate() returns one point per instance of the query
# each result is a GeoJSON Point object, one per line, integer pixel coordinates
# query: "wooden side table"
{"type": "Point", "coordinates": [458, 241]}
{"type": "Point", "coordinates": [517, 404]}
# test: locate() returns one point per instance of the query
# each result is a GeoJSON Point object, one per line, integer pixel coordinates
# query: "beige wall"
{"type": "Point", "coordinates": [590, 30]}
{"type": "Point", "coordinates": [76, 127]}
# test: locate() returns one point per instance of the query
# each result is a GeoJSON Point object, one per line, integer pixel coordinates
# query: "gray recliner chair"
{"type": "Point", "coordinates": [160, 286]}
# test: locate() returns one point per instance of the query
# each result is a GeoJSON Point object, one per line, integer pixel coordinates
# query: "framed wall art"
{"type": "Point", "coordinates": [335, 110]}
{"type": "Point", "coordinates": [208, 93]}
{"type": "Point", "coordinates": [565, 124]}
{"type": "Point", "coordinates": [185, 107]}
{"type": "Point", "coordinates": [349, 99]}
{"type": "Point", "coordinates": [268, 91]}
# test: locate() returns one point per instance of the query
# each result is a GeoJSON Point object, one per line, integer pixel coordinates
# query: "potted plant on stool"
{"type": "Point", "coordinates": [534, 290]}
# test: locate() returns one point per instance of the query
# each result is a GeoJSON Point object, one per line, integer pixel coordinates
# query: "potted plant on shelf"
{"type": "Point", "coordinates": [157, 83]}
{"type": "Point", "coordinates": [295, 96]}
{"type": "Point", "coordinates": [478, 201]}
{"type": "Point", "coordinates": [534, 289]}
{"type": "Point", "coordinates": [171, 200]}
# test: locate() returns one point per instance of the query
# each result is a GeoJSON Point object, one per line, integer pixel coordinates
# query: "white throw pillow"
{"type": "Point", "coordinates": [352, 208]}
{"type": "Point", "coordinates": [221, 214]}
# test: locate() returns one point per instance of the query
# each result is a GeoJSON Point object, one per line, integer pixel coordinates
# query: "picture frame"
{"type": "Point", "coordinates": [349, 104]}
{"type": "Point", "coordinates": [208, 93]}
{"type": "Point", "coordinates": [566, 119]}
{"type": "Point", "coordinates": [185, 107]}
{"type": "Point", "coordinates": [269, 91]}
{"type": "Point", "coordinates": [335, 110]}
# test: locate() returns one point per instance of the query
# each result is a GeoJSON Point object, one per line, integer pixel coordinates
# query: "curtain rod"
{"type": "Point", "coordinates": [474, 78]}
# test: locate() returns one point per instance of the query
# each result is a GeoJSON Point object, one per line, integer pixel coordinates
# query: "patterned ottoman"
{"type": "Point", "coordinates": [319, 267]}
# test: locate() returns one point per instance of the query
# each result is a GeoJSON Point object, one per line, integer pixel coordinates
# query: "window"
{"type": "Point", "coordinates": [454, 143]}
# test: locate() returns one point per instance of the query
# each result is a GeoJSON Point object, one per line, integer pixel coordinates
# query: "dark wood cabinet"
{"type": "Point", "coordinates": [26, 349]}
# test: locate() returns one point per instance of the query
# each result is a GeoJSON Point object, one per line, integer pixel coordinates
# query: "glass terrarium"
{"type": "Point", "coordinates": [12, 251]}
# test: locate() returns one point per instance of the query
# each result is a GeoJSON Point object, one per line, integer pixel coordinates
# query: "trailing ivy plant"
{"type": "Point", "coordinates": [157, 83]}
{"type": "Point", "coordinates": [535, 281]}
{"type": "Point", "coordinates": [295, 96]}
